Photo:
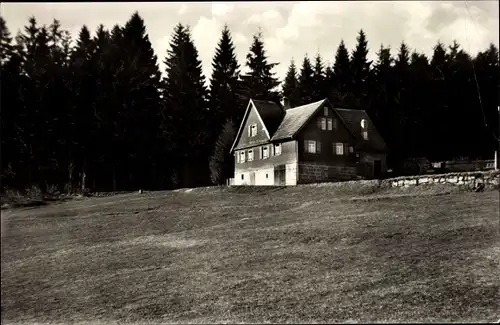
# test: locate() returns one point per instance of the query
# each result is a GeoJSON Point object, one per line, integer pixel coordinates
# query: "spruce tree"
{"type": "Point", "coordinates": [343, 75]}
{"type": "Point", "coordinates": [185, 109]}
{"type": "Point", "coordinates": [360, 67]}
{"type": "Point", "coordinates": [291, 86]}
{"type": "Point", "coordinates": [6, 47]}
{"type": "Point", "coordinates": [319, 79]}
{"type": "Point", "coordinates": [141, 105]}
{"type": "Point", "coordinates": [260, 82]}
{"type": "Point", "coordinates": [306, 82]}
{"type": "Point", "coordinates": [224, 102]}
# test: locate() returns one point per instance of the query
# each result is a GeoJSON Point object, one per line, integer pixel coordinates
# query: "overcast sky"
{"type": "Point", "coordinates": [291, 29]}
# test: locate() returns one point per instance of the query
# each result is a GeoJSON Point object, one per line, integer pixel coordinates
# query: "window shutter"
{"type": "Point", "coordinates": [346, 149]}
{"type": "Point", "coordinates": [318, 146]}
{"type": "Point", "coordinates": [318, 122]}
{"type": "Point", "coordinates": [306, 143]}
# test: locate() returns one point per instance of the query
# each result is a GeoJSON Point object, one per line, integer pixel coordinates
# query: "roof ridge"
{"type": "Point", "coordinates": [316, 102]}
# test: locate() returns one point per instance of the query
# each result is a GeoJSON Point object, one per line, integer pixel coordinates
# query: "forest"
{"type": "Point", "coordinates": [96, 112]}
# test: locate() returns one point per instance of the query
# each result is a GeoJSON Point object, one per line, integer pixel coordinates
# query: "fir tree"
{"type": "Point", "coordinates": [306, 82]}
{"type": "Point", "coordinates": [319, 79]}
{"type": "Point", "coordinates": [185, 107]}
{"type": "Point", "coordinates": [290, 87]}
{"type": "Point", "coordinates": [224, 102]}
{"type": "Point", "coordinates": [260, 82]}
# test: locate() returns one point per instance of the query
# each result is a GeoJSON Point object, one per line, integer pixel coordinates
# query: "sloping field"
{"type": "Point", "coordinates": [307, 254]}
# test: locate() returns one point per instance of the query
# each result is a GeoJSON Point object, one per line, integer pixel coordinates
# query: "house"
{"type": "Point", "coordinates": [280, 145]}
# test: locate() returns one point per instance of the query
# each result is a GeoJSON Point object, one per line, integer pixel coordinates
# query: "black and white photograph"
{"type": "Point", "coordinates": [293, 162]}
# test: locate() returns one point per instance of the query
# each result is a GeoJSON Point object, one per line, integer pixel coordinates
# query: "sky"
{"type": "Point", "coordinates": [290, 29]}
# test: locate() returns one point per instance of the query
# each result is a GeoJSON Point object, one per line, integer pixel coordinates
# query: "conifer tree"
{"type": "Point", "coordinates": [306, 82]}
{"type": "Point", "coordinates": [291, 86]}
{"type": "Point", "coordinates": [260, 82]}
{"type": "Point", "coordinates": [185, 109]}
{"type": "Point", "coordinates": [224, 102]}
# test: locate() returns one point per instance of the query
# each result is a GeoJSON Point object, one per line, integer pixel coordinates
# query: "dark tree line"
{"type": "Point", "coordinates": [442, 107]}
{"type": "Point", "coordinates": [96, 113]}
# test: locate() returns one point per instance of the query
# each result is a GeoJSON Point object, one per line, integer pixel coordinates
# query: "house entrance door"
{"type": "Point", "coordinates": [377, 169]}
{"type": "Point", "coordinates": [280, 175]}
{"type": "Point", "coordinates": [252, 178]}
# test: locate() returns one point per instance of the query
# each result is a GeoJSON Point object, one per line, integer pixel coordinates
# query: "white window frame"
{"type": "Point", "coordinates": [323, 123]}
{"type": "Point", "coordinates": [325, 110]}
{"type": "Point", "coordinates": [277, 149]}
{"type": "Point", "coordinates": [329, 124]}
{"type": "Point", "coordinates": [265, 149]}
{"type": "Point", "coordinates": [242, 156]}
{"type": "Point", "coordinates": [365, 135]}
{"type": "Point", "coordinates": [339, 148]}
{"type": "Point", "coordinates": [251, 129]}
{"type": "Point", "coordinates": [250, 155]}
{"type": "Point", "coordinates": [312, 146]}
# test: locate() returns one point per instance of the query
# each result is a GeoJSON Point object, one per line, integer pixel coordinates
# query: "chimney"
{"type": "Point", "coordinates": [285, 102]}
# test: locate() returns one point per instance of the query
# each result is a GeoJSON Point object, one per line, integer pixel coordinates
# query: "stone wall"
{"type": "Point", "coordinates": [315, 173]}
{"type": "Point", "coordinates": [470, 179]}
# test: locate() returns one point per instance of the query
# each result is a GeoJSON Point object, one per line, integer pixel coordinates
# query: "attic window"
{"type": "Point", "coordinates": [322, 123]}
{"type": "Point", "coordinates": [364, 128]}
{"type": "Point", "coordinates": [351, 149]}
{"type": "Point", "coordinates": [365, 135]}
{"type": "Point", "coordinates": [331, 124]}
{"type": "Point", "coordinates": [252, 130]}
{"type": "Point", "coordinates": [242, 156]}
{"type": "Point", "coordinates": [325, 110]}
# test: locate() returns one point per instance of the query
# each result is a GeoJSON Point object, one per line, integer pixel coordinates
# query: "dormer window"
{"type": "Point", "coordinates": [252, 130]}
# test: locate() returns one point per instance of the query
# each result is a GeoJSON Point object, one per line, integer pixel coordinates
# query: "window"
{"type": "Point", "coordinates": [242, 176]}
{"type": "Point", "coordinates": [334, 122]}
{"type": "Point", "coordinates": [242, 156]}
{"type": "Point", "coordinates": [265, 152]}
{"type": "Point", "coordinates": [250, 155]}
{"type": "Point", "coordinates": [351, 149]}
{"type": "Point", "coordinates": [325, 110]}
{"type": "Point", "coordinates": [365, 135]}
{"type": "Point", "coordinates": [312, 146]}
{"type": "Point", "coordinates": [252, 130]}
{"type": "Point", "coordinates": [267, 176]}
{"type": "Point", "coordinates": [339, 148]}
{"type": "Point", "coordinates": [277, 149]}
{"type": "Point", "coordinates": [321, 123]}
{"type": "Point", "coordinates": [329, 124]}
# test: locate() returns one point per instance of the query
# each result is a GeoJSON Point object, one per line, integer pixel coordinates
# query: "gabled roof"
{"type": "Point", "coordinates": [294, 119]}
{"type": "Point", "coordinates": [271, 114]}
{"type": "Point", "coordinates": [353, 117]}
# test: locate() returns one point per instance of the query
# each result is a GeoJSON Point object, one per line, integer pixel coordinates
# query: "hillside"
{"type": "Point", "coordinates": [302, 254]}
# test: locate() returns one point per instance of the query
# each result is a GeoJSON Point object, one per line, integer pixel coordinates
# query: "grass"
{"type": "Point", "coordinates": [306, 254]}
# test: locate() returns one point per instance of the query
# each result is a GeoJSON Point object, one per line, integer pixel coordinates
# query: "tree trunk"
{"type": "Point", "coordinates": [84, 177]}
{"type": "Point", "coordinates": [70, 177]}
